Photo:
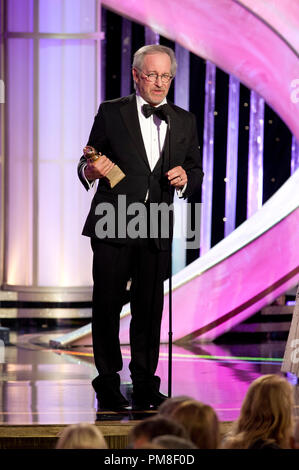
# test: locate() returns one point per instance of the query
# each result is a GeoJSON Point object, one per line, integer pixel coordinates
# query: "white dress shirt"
{"type": "Point", "coordinates": [153, 132]}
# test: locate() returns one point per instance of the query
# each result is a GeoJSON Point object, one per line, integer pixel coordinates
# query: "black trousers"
{"type": "Point", "coordinates": [113, 266]}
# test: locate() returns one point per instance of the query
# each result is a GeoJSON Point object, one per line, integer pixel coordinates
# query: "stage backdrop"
{"type": "Point", "coordinates": [53, 72]}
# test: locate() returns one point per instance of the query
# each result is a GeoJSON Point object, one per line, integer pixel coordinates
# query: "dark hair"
{"type": "Point", "coordinates": [156, 426]}
{"type": "Point", "coordinates": [173, 442]}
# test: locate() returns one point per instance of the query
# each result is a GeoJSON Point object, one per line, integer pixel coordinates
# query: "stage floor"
{"type": "Point", "coordinates": [40, 385]}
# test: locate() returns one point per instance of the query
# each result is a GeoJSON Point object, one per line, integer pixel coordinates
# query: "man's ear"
{"type": "Point", "coordinates": [135, 75]}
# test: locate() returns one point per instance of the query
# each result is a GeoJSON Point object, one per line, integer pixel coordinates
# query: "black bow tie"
{"type": "Point", "coordinates": [160, 111]}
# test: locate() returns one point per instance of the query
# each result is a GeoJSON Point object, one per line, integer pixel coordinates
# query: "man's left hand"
{"type": "Point", "coordinates": [177, 177]}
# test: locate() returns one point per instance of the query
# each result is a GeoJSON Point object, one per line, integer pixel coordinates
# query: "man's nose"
{"type": "Point", "coordinates": [159, 80]}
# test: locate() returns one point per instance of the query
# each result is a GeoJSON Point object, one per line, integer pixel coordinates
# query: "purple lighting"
{"type": "Point", "coordinates": [20, 16]}
{"type": "Point", "coordinates": [255, 154]}
{"type": "Point", "coordinates": [151, 37]}
{"type": "Point", "coordinates": [181, 98]}
{"type": "Point", "coordinates": [208, 158]}
{"type": "Point", "coordinates": [232, 155]}
{"type": "Point", "coordinates": [126, 40]}
{"type": "Point", "coordinates": [49, 117]}
{"type": "Point", "coordinates": [233, 39]}
{"type": "Point", "coordinates": [295, 155]}
{"type": "Point", "coordinates": [290, 360]}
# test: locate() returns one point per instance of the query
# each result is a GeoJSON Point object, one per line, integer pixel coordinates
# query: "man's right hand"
{"type": "Point", "coordinates": [99, 168]}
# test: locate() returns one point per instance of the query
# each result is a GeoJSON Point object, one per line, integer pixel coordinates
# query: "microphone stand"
{"type": "Point", "coordinates": [170, 333]}
{"type": "Point", "coordinates": [165, 116]}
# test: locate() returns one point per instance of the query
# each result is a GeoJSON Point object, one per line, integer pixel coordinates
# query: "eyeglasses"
{"type": "Point", "coordinates": [153, 77]}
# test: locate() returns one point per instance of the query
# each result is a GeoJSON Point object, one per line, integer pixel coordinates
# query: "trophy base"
{"type": "Point", "coordinates": [114, 176]}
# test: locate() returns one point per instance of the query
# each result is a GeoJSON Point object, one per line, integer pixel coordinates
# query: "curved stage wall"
{"type": "Point", "coordinates": [264, 56]}
{"type": "Point", "coordinates": [246, 271]}
{"type": "Point", "coordinates": [259, 260]}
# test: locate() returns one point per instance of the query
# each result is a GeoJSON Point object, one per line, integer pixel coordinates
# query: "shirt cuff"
{"type": "Point", "coordinates": [180, 192]}
{"type": "Point", "coordinates": [90, 183]}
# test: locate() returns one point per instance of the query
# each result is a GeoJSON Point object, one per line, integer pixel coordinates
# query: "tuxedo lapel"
{"type": "Point", "coordinates": [129, 114]}
{"type": "Point", "coordinates": [176, 136]}
{"type": "Point", "coordinates": [176, 133]}
{"type": "Point", "coordinates": [130, 117]}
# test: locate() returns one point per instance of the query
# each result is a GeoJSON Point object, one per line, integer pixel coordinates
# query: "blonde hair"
{"type": "Point", "coordinates": [200, 421]}
{"type": "Point", "coordinates": [81, 436]}
{"type": "Point", "coordinates": [266, 413]}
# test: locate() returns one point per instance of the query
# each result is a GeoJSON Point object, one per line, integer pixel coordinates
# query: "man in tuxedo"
{"type": "Point", "coordinates": [132, 133]}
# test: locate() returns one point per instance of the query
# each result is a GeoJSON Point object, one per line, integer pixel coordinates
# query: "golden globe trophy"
{"type": "Point", "coordinates": [114, 176]}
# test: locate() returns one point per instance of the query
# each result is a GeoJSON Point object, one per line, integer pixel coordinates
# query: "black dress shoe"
{"type": "Point", "coordinates": [105, 404]}
{"type": "Point", "coordinates": [140, 404]}
{"type": "Point", "coordinates": [108, 394]}
{"type": "Point", "coordinates": [157, 398]}
{"type": "Point", "coordinates": [113, 401]}
{"type": "Point", "coordinates": [145, 399]}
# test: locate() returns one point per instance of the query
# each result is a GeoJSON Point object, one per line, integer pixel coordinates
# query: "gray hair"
{"type": "Point", "coordinates": [154, 49]}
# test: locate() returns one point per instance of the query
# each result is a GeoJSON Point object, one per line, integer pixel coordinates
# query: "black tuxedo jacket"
{"type": "Point", "coordinates": [116, 133]}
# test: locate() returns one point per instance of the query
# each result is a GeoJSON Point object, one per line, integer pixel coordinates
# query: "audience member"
{"type": "Point", "coordinates": [150, 445]}
{"type": "Point", "coordinates": [200, 422]}
{"type": "Point", "coordinates": [172, 442]}
{"type": "Point", "coordinates": [266, 416]}
{"type": "Point", "coordinates": [295, 437]}
{"type": "Point", "coordinates": [145, 431]}
{"type": "Point", "coordinates": [167, 407]}
{"type": "Point", "coordinates": [81, 436]}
